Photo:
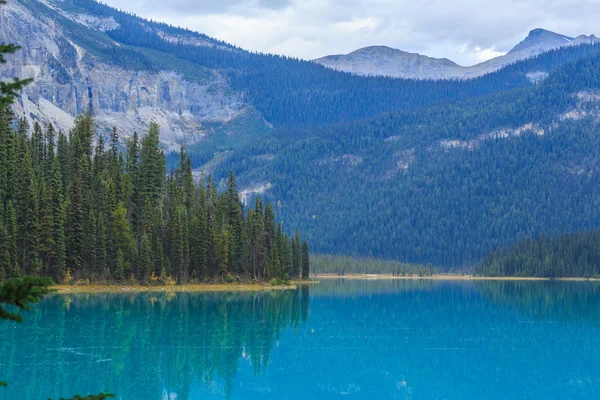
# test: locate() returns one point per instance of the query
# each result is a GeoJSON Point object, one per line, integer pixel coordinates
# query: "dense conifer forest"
{"type": "Point", "coordinates": [436, 172]}
{"type": "Point", "coordinates": [73, 209]}
{"type": "Point", "coordinates": [446, 184]}
{"type": "Point", "coordinates": [561, 256]}
{"type": "Point", "coordinates": [343, 265]}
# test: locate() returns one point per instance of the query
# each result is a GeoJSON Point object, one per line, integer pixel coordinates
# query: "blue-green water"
{"type": "Point", "coordinates": [351, 339]}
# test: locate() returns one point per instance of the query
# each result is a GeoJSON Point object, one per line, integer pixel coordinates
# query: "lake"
{"type": "Point", "coordinates": [352, 339]}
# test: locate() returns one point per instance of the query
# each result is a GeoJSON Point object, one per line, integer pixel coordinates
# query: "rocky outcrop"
{"type": "Point", "coordinates": [69, 80]}
{"type": "Point", "coordinates": [385, 61]}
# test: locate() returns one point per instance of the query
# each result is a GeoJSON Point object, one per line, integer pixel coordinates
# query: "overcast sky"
{"type": "Point", "coordinates": [465, 31]}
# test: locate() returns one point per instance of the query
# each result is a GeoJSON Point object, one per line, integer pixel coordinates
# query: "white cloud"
{"type": "Point", "coordinates": [487, 54]}
{"type": "Point", "coordinates": [466, 31]}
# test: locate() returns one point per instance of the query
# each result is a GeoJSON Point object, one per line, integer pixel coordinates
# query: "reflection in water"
{"type": "Point", "coordinates": [146, 346]}
{"type": "Point", "coordinates": [550, 300]}
{"type": "Point", "coordinates": [397, 339]}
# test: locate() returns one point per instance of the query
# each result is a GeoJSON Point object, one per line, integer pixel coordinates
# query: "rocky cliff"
{"type": "Point", "coordinates": [70, 80]}
{"type": "Point", "coordinates": [385, 61]}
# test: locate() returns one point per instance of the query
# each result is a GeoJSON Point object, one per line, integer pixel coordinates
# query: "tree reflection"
{"type": "Point", "coordinates": [146, 346]}
{"type": "Point", "coordinates": [556, 300]}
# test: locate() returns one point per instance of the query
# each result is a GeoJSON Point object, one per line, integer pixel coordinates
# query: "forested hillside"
{"type": "Point", "coordinates": [423, 172]}
{"type": "Point", "coordinates": [73, 211]}
{"type": "Point", "coordinates": [287, 92]}
{"type": "Point", "coordinates": [572, 255]}
{"type": "Point", "coordinates": [446, 184]}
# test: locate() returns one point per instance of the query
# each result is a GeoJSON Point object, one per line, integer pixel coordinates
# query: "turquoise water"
{"type": "Point", "coordinates": [350, 339]}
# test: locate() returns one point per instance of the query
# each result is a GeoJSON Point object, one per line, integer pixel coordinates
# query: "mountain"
{"type": "Point", "coordinates": [203, 92]}
{"type": "Point", "coordinates": [426, 171]}
{"type": "Point", "coordinates": [443, 184]}
{"type": "Point", "coordinates": [66, 51]}
{"type": "Point", "coordinates": [385, 61]}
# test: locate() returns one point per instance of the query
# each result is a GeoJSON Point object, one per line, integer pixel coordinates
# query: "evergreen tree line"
{"type": "Point", "coordinates": [342, 265]}
{"type": "Point", "coordinates": [416, 200]}
{"type": "Point", "coordinates": [562, 256]}
{"type": "Point", "coordinates": [75, 209]}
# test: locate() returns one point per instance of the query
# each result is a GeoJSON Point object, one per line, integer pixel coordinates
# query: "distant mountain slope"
{"type": "Point", "coordinates": [128, 71]}
{"type": "Point", "coordinates": [76, 68]}
{"type": "Point", "coordinates": [385, 61]}
{"type": "Point", "coordinates": [424, 171]}
{"type": "Point", "coordinates": [445, 184]}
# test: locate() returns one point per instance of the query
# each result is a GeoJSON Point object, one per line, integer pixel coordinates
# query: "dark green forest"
{"type": "Point", "coordinates": [342, 265]}
{"type": "Point", "coordinates": [75, 211]}
{"type": "Point", "coordinates": [436, 172]}
{"type": "Point", "coordinates": [442, 185]}
{"type": "Point", "coordinates": [561, 256]}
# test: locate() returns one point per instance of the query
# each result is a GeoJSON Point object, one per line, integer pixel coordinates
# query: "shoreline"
{"type": "Point", "coordinates": [192, 288]}
{"type": "Point", "coordinates": [449, 277]}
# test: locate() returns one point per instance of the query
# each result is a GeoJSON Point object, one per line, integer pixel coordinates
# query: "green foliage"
{"type": "Point", "coordinates": [343, 265]}
{"type": "Point", "coordinates": [279, 282]}
{"type": "Point", "coordinates": [393, 187]}
{"type": "Point", "coordinates": [22, 292]}
{"type": "Point", "coordinates": [124, 219]}
{"type": "Point", "coordinates": [562, 256]}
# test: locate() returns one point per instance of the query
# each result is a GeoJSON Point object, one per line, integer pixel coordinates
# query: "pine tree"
{"type": "Point", "coordinates": [38, 147]}
{"type": "Point", "coordinates": [57, 263]}
{"type": "Point", "coordinates": [235, 222]}
{"type": "Point", "coordinates": [146, 256]}
{"type": "Point", "coordinates": [47, 246]}
{"type": "Point", "coordinates": [305, 260]}
{"type": "Point", "coordinates": [63, 156]}
{"type": "Point", "coordinates": [119, 273]}
{"type": "Point", "coordinates": [198, 238]}
{"type": "Point", "coordinates": [5, 261]}
{"type": "Point", "coordinates": [80, 196]}
{"type": "Point", "coordinates": [296, 256]}
{"type": "Point", "coordinates": [131, 181]}
{"type": "Point", "coordinates": [12, 231]}
{"type": "Point", "coordinates": [101, 249]}
{"type": "Point", "coordinates": [27, 212]}
{"type": "Point", "coordinates": [151, 170]}
{"type": "Point", "coordinates": [123, 241]}
{"type": "Point", "coordinates": [146, 261]}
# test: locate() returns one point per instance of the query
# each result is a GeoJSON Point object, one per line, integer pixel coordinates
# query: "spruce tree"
{"type": "Point", "coordinates": [12, 230]}
{"type": "Point", "coordinates": [101, 249]}
{"type": "Point", "coordinates": [305, 260]}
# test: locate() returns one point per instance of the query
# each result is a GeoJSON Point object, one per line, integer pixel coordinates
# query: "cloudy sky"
{"type": "Point", "coordinates": [465, 31]}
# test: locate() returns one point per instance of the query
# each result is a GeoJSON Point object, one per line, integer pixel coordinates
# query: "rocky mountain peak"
{"type": "Point", "coordinates": [387, 61]}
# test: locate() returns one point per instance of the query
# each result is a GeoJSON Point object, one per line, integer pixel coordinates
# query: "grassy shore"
{"type": "Point", "coordinates": [204, 287]}
{"type": "Point", "coordinates": [447, 277]}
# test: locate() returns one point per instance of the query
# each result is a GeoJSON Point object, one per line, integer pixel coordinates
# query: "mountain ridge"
{"type": "Point", "coordinates": [387, 61]}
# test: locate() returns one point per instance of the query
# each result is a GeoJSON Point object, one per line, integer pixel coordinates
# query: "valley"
{"type": "Point", "coordinates": [438, 171]}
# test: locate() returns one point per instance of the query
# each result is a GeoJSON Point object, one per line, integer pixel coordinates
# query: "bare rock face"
{"type": "Point", "coordinates": [68, 81]}
{"type": "Point", "coordinates": [385, 61]}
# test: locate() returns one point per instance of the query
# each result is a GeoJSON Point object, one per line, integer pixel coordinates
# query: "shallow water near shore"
{"type": "Point", "coordinates": [404, 339]}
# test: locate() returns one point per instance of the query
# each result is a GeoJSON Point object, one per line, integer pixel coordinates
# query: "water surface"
{"type": "Point", "coordinates": [338, 338]}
